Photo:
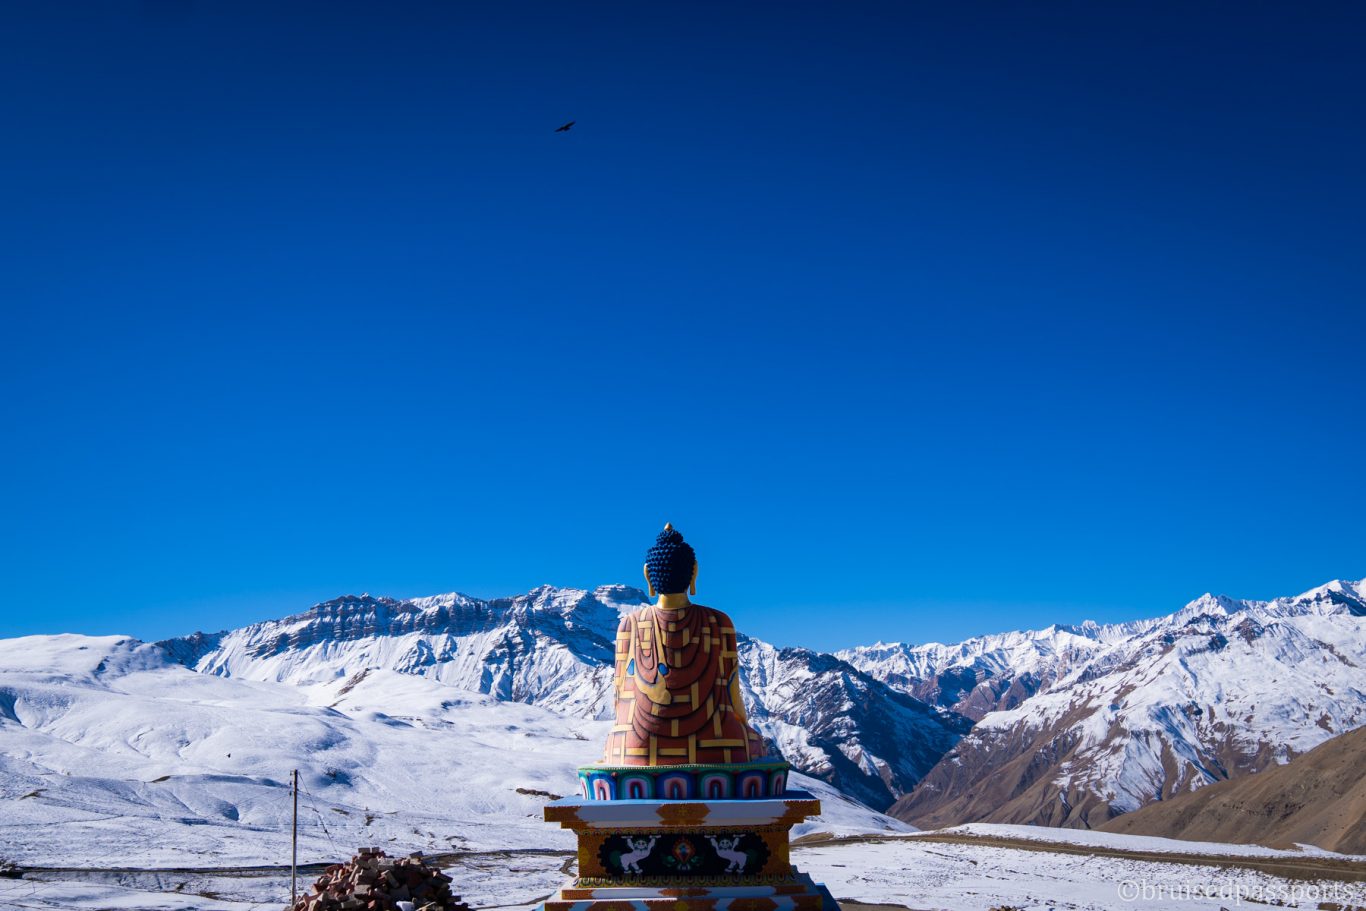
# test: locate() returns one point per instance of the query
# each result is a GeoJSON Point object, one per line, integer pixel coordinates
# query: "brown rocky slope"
{"type": "Point", "coordinates": [1319, 798]}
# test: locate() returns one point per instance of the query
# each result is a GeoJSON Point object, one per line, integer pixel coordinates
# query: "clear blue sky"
{"type": "Point", "coordinates": [919, 320]}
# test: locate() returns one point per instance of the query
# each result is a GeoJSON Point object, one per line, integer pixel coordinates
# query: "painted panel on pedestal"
{"type": "Point", "coordinates": [683, 854]}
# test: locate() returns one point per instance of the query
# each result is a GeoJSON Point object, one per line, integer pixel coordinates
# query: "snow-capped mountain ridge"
{"type": "Point", "coordinates": [1220, 688]}
{"type": "Point", "coordinates": [844, 717]}
{"type": "Point", "coordinates": [353, 617]}
{"type": "Point", "coordinates": [550, 646]}
{"type": "Point", "coordinates": [554, 648]}
{"type": "Point", "coordinates": [1001, 670]}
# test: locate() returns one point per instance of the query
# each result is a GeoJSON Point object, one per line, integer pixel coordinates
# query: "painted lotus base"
{"type": "Point", "coordinates": [759, 780]}
{"type": "Point", "coordinates": [686, 855]}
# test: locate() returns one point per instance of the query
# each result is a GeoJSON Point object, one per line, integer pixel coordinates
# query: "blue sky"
{"type": "Point", "coordinates": [919, 320]}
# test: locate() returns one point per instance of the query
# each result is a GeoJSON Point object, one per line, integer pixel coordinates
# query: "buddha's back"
{"type": "Point", "coordinates": [677, 691]}
{"type": "Point", "coordinates": [681, 731]}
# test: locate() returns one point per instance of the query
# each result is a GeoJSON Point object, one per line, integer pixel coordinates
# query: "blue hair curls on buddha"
{"type": "Point", "coordinates": [670, 566]}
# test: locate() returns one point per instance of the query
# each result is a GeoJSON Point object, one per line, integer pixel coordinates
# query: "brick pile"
{"type": "Point", "coordinates": [373, 881]}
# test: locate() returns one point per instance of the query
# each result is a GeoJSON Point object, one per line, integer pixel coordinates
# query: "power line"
{"type": "Point", "coordinates": [321, 822]}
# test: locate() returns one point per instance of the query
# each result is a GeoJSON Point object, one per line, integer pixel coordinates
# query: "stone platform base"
{"type": "Point", "coordinates": [801, 894]}
{"type": "Point", "coordinates": [686, 855]}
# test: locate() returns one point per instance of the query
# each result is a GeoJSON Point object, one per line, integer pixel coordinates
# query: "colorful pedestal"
{"type": "Point", "coordinates": [731, 781]}
{"type": "Point", "coordinates": [686, 855]}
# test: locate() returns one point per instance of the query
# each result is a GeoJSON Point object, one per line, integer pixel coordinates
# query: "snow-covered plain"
{"type": "Point", "coordinates": [901, 871]}
{"type": "Point", "coordinates": [957, 877]}
{"type": "Point", "coordinates": [1138, 843]}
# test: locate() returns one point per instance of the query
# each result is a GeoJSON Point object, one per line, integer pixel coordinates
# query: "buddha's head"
{"type": "Point", "coordinates": [671, 565]}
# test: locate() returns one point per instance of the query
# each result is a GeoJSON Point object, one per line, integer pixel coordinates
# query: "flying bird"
{"type": "Point", "coordinates": [565, 128]}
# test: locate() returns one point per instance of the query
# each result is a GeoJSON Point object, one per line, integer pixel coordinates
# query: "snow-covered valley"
{"type": "Point", "coordinates": [445, 724]}
{"type": "Point", "coordinates": [113, 755]}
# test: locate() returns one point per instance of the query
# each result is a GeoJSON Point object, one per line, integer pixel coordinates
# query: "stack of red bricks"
{"type": "Point", "coordinates": [372, 881]}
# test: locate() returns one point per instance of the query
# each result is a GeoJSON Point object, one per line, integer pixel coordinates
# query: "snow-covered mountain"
{"type": "Point", "coordinates": [443, 720]}
{"type": "Point", "coordinates": [841, 725]}
{"type": "Point", "coordinates": [1318, 798]}
{"type": "Point", "coordinates": [553, 648]}
{"type": "Point", "coordinates": [1121, 716]}
{"type": "Point", "coordinates": [988, 673]}
{"type": "Point", "coordinates": [550, 647]}
{"type": "Point", "coordinates": [113, 754]}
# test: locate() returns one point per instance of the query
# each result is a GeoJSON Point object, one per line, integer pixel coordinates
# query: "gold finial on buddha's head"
{"type": "Point", "coordinates": [668, 526]}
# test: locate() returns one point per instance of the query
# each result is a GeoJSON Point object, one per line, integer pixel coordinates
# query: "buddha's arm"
{"type": "Point", "coordinates": [623, 655]}
{"type": "Point", "coordinates": [737, 700]}
{"type": "Point", "coordinates": [730, 645]}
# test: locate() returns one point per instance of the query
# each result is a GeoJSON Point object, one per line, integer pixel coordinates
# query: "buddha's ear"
{"type": "Point", "coordinates": [648, 584]}
{"type": "Point", "coordinates": [692, 586]}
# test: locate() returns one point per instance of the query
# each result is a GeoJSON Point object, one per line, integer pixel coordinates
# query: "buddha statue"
{"type": "Point", "coordinates": [688, 810]}
{"type": "Point", "coordinates": [677, 678]}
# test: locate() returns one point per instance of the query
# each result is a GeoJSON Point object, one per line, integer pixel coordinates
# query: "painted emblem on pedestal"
{"type": "Point", "coordinates": [683, 854]}
{"type": "Point", "coordinates": [640, 849]}
{"type": "Point", "coordinates": [725, 849]}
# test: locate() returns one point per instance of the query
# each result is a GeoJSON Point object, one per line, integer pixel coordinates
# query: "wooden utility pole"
{"type": "Point", "coordinates": [294, 858]}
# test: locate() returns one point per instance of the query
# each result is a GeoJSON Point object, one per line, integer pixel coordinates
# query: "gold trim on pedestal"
{"type": "Point", "coordinates": [683, 814]}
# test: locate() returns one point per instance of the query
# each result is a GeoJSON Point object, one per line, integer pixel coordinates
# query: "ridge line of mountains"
{"type": "Point", "coordinates": [1066, 726]}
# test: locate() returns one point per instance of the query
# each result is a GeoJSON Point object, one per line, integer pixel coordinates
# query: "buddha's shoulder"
{"type": "Point", "coordinates": [720, 618]}
{"type": "Point", "coordinates": [709, 614]}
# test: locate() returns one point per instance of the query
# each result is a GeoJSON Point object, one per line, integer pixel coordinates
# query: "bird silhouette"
{"type": "Point", "coordinates": [565, 128]}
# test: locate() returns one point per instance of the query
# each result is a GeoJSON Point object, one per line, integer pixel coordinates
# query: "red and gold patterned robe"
{"type": "Point", "coordinates": [678, 691]}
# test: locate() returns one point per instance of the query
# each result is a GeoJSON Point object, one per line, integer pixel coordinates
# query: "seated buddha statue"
{"type": "Point", "coordinates": [677, 675]}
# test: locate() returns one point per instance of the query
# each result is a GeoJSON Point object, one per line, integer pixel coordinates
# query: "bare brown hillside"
{"type": "Point", "coordinates": [1319, 798]}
